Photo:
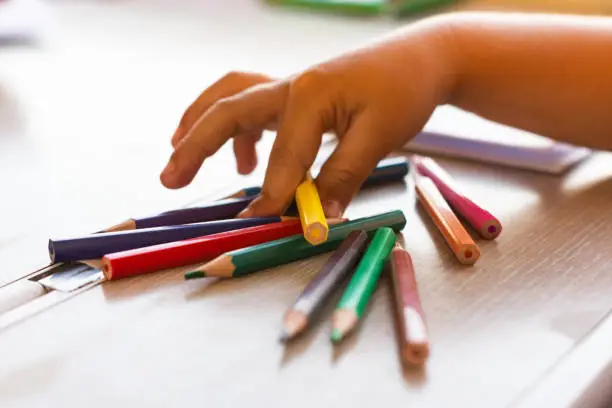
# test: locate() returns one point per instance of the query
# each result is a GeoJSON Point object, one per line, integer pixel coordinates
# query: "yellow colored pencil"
{"type": "Point", "coordinates": [311, 212]}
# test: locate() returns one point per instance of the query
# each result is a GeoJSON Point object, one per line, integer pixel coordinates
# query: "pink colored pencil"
{"type": "Point", "coordinates": [480, 219]}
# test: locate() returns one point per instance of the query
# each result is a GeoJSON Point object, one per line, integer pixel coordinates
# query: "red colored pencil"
{"type": "Point", "coordinates": [154, 258]}
{"type": "Point", "coordinates": [414, 341]}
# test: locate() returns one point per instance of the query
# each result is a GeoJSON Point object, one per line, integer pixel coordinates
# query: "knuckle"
{"type": "Point", "coordinates": [270, 203]}
{"type": "Point", "coordinates": [312, 80]}
{"type": "Point", "coordinates": [233, 76]}
{"type": "Point", "coordinates": [285, 156]}
{"type": "Point", "coordinates": [339, 181]}
{"type": "Point", "coordinates": [344, 176]}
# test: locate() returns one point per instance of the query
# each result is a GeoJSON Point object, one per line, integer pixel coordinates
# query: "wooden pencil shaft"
{"type": "Point", "coordinates": [331, 275]}
{"type": "Point", "coordinates": [412, 330]}
{"type": "Point", "coordinates": [294, 248]}
{"type": "Point", "coordinates": [428, 167]}
{"type": "Point", "coordinates": [193, 251]}
{"type": "Point", "coordinates": [364, 281]}
{"type": "Point", "coordinates": [480, 219]}
{"type": "Point", "coordinates": [388, 170]}
{"type": "Point", "coordinates": [411, 7]}
{"type": "Point", "coordinates": [216, 210]}
{"type": "Point", "coordinates": [97, 245]}
{"type": "Point", "coordinates": [311, 212]}
{"type": "Point", "coordinates": [445, 220]}
{"type": "Point", "coordinates": [359, 7]}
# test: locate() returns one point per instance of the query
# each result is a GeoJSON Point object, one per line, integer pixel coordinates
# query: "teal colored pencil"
{"type": "Point", "coordinates": [359, 291]}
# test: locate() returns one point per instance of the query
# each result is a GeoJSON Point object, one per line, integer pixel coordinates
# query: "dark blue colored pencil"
{"type": "Point", "coordinates": [97, 245]}
{"type": "Point", "coordinates": [215, 210]}
{"type": "Point", "coordinates": [392, 169]}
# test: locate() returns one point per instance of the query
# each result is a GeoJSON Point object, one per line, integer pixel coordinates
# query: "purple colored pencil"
{"type": "Point", "coordinates": [216, 210]}
{"type": "Point", "coordinates": [97, 245]}
{"type": "Point", "coordinates": [331, 275]}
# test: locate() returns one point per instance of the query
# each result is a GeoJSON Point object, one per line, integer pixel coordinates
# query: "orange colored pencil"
{"type": "Point", "coordinates": [457, 238]}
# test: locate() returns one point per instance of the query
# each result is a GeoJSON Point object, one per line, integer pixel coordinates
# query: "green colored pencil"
{"type": "Point", "coordinates": [359, 291]}
{"type": "Point", "coordinates": [359, 7]}
{"type": "Point", "coordinates": [412, 7]}
{"type": "Point", "coordinates": [257, 257]}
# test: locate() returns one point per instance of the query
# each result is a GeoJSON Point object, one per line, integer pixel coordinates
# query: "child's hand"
{"type": "Point", "coordinates": [374, 100]}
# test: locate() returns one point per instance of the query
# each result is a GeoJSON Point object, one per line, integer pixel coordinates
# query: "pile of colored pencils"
{"type": "Point", "coordinates": [194, 235]}
{"type": "Point", "coordinates": [228, 247]}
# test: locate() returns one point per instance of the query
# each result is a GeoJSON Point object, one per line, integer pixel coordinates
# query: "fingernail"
{"type": "Point", "coordinates": [332, 209]}
{"type": "Point", "coordinates": [169, 170]}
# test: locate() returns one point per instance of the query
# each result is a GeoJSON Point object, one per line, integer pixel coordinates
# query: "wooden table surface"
{"type": "Point", "coordinates": [85, 122]}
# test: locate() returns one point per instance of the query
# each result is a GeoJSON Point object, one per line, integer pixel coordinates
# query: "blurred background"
{"type": "Point", "coordinates": [91, 92]}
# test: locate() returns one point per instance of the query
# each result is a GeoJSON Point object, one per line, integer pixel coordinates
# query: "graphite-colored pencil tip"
{"type": "Point", "coordinates": [285, 336]}
{"type": "Point", "coordinates": [336, 336]}
{"type": "Point", "coordinates": [195, 275]}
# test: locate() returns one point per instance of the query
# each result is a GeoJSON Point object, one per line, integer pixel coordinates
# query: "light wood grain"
{"type": "Point", "coordinates": [90, 159]}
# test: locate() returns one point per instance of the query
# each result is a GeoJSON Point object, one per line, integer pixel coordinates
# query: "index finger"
{"type": "Point", "coordinates": [245, 112]}
{"type": "Point", "coordinates": [231, 84]}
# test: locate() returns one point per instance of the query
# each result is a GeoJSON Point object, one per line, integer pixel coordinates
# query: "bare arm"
{"type": "Point", "coordinates": [549, 75]}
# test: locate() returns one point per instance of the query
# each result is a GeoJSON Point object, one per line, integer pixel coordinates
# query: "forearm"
{"type": "Point", "coordinates": [549, 75]}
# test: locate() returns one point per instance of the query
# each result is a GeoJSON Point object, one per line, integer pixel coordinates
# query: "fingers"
{"type": "Point", "coordinates": [244, 150]}
{"type": "Point", "coordinates": [346, 169]}
{"type": "Point", "coordinates": [247, 112]}
{"type": "Point", "coordinates": [229, 85]}
{"type": "Point", "coordinates": [295, 148]}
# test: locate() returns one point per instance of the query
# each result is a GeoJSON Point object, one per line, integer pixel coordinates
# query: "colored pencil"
{"type": "Point", "coordinates": [457, 238]}
{"type": "Point", "coordinates": [412, 330]}
{"type": "Point", "coordinates": [331, 275]}
{"type": "Point", "coordinates": [388, 170]}
{"type": "Point", "coordinates": [357, 7]}
{"type": "Point", "coordinates": [173, 254]}
{"type": "Point", "coordinates": [197, 250]}
{"type": "Point", "coordinates": [357, 295]}
{"type": "Point", "coordinates": [311, 212]}
{"type": "Point", "coordinates": [258, 257]}
{"type": "Point", "coordinates": [404, 8]}
{"type": "Point", "coordinates": [480, 219]}
{"type": "Point", "coordinates": [97, 245]}
{"type": "Point", "coordinates": [216, 210]}
{"type": "Point", "coordinates": [245, 192]}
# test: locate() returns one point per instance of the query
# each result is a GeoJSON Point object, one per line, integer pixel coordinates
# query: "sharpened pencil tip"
{"type": "Point", "coordinates": [336, 336]}
{"type": "Point", "coordinates": [195, 275]}
{"type": "Point", "coordinates": [285, 336]}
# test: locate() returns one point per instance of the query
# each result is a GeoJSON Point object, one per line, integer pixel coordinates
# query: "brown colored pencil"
{"type": "Point", "coordinates": [457, 238]}
{"type": "Point", "coordinates": [412, 330]}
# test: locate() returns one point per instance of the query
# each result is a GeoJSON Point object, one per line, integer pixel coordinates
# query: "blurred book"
{"type": "Point", "coordinates": [22, 20]}
{"type": "Point", "coordinates": [456, 133]}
